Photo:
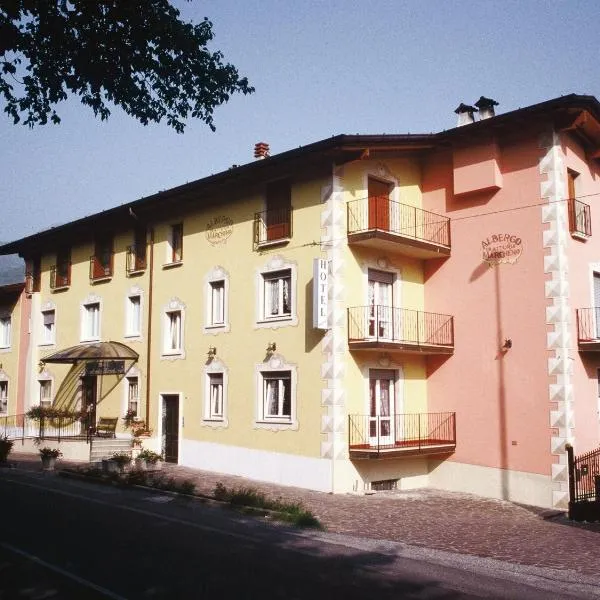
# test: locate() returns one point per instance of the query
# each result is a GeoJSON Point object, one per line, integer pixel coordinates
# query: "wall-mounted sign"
{"type": "Point", "coordinates": [219, 229]}
{"type": "Point", "coordinates": [320, 293]}
{"type": "Point", "coordinates": [105, 367]}
{"type": "Point", "coordinates": [502, 248]}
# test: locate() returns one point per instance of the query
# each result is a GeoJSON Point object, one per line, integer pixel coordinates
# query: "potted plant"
{"type": "Point", "coordinates": [49, 456]}
{"type": "Point", "coordinates": [5, 448]}
{"type": "Point", "coordinates": [148, 461]}
{"type": "Point", "coordinates": [121, 459]}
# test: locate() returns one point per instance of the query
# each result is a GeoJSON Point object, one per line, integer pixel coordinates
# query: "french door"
{"type": "Point", "coordinates": [381, 322]}
{"type": "Point", "coordinates": [379, 204]}
{"type": "Point", "coordinates": [381, 407]}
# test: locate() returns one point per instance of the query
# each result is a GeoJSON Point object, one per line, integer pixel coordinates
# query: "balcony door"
{"type": "Point", "coordinates": [379, 204]}
{"type": "Point", "coordinates": [597, 304]}
{"type": "Point", "coordinates": [381, 407]}
{"type": "Point", "coordinates": [380, 303]}
{"type": "Point", "coordinates": [278, 201]}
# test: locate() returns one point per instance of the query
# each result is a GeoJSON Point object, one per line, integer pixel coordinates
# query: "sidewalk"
{"type": "Point", "coordinates": [430, 518]}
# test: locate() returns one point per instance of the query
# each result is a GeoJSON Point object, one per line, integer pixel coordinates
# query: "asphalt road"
{"type": "Point", "coordinates": [69, 539]}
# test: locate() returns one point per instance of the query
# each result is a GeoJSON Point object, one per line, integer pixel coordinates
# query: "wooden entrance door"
{"type": "Point", "coordinates": [379, 205]}
{"type": "Point", "coordinates": [89, 391]}
{"type": "Point", "coordinates": [279, 201]}
{"type": "Point", "coordinates": [170, 428]}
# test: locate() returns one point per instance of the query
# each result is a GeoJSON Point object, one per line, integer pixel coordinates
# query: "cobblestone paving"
{"type": "Point", "coordinates": [431, 518]}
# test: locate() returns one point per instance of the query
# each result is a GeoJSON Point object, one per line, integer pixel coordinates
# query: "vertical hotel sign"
{"type": "Point", "coordinates": [320, 293]}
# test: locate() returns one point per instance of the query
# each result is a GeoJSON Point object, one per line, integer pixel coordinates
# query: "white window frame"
{"type": "Point", "coordinates": [129, 379]}
{"type": "Point", "coordinates": [266, 372]}
{"type": "Point", "coordinates": [48, 333]}
{"type": "Point", "coordinates": [87, 335]}
{"type": "Point", "coordinates": [136, 331]}
{"type": "Point", "coordinates": [5, 332]}
{"type": "Point", "coordinates": [218, 275]}
{"type": "Point", "coordinates": [175, 306]}
{"type": "Point", "coordinates": [4, 391]}
{"type": "Point", "coordinates": [215, 368]}
{"type": "Point", "coordinates": [276, 268]}
{"type": "Point", "coordinates": [45, 401]}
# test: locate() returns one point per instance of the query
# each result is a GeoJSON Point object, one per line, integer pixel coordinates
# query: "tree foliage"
{"type": "Point", "coordinates": [136, 54]}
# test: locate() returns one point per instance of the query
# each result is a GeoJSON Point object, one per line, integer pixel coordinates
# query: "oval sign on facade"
{"type": "Point", "coordinates": [502, 248]}
{"type": "Point", "coordinates": [219, 229]}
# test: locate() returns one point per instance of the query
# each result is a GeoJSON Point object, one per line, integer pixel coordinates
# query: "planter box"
{"type": "Point", "coordinates": [48, 463]}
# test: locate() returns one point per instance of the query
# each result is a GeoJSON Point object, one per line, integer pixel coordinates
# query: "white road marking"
{"type": "Point", "coordinates": [62, 571]}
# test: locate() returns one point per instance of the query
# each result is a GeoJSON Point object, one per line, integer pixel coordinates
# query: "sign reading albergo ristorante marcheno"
{"type": "Point", "coordinates": [501, 248]}
{"type": "Point", "coordinates": [105, 367]}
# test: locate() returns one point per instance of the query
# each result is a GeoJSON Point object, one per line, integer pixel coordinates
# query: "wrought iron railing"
{"type": "Point", "coordinates": [135, 260]}
{"type": "Point", "coordinates": [588, 324]}
{"type": "Point", "coordinates": [60, 276]}
{"type": "Point", "coordinates": [402, 431]}
{"type": "Point", "coordinates": [272, 225]}
{"type": "Point", "coordinates": [584, 485]}
{"type": "Point", "coordinates": [399, 325]}
{"type": "Point", "coordinates": [580, 217]}
{"type": "Point", "coordinates": [383, 214]}
{"type": "Point", "coordinates": [21, 427]}
{"type": "Point", "coordinates": [101, 266]}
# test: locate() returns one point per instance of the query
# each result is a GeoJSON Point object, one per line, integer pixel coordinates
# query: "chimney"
{"type": "Point", "coordinates": [261, 150]}
{"type": "Point", "coordinates": [486, 107]}
{"type": "Point", "coordinates": [466, 114]}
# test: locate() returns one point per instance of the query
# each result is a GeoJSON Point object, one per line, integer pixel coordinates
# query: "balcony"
{"type": "Point", "coordinates": [409, 331]}
{"type": "Point", "coordinates": [101, 267]}
{"type": "Point", "coordinates": [588, 329]}
{"type": "Point", "coordinates": [401, 435]}
{"type": "Point", "coordinates": [580, 219]}
{"type": "Point", "coordinates": [378, 222]}
{"type": "Point", "coordinates": [60, 276]}
{"type": "Point", "coordinates": [135, 260]}
{"type": "Point", "coordinates": [272, 227]}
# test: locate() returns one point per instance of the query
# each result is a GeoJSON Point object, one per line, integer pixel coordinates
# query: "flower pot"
{"type": "Point", "coordinates": [110, 466]}
{"type": "Point", "coordinates": [155, 466]}
{"type": "Point", "coordinates": [48, 463]}
{"type": "Point", "coordinates": [141, 464]}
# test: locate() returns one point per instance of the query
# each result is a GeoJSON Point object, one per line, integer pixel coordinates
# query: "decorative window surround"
{"type": "Point", "coordinates": [5, 332]}
{"type": "Point", "coordinates": [48, 327]}
{"type": "Point", "coordinates": [91, 319]}
{"type": "Point", "coordinates": [217, 275]}
{"type": "Point", "coordinates": [383, 173]}
{"type": "Point", "coordinates": [269, 369]}
{"type": "Point", "coordinates": [173, 342]}
{"type": "Point", "coordinates": [277, 264]}
{"type": "Point", "coordinates": [215, 368]}
{"type": "Point", "coordinates": [46, 388]}
{"type": "Point", "coordinates": [134, 316]}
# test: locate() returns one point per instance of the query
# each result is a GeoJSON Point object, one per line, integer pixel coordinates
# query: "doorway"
{"type": "Point", "coordinates": [381, 302]}
{"type": "Point", "coordinates": [379, 204]}
{"type": "Point", "coordinates": [382, 407]}
{"type": "Point", "coordinates": [89, 396]}
{"type": "Point", "coordinates": [170, 427]}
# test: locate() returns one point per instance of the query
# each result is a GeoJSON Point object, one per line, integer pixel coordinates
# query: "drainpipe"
{"type": "Point", "coordinates": [149, 343]}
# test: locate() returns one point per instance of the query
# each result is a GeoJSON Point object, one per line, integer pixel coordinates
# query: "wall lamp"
{"type": "Point", "coordinates": [271, 348]}
{"type": "Point", "coordinates": [507, 344]}
{"type": "Point", "coordinates": [212, 352]}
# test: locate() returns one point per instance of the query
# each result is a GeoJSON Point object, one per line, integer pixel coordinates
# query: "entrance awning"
{"type": "Point", "coordinates": [92, 352]}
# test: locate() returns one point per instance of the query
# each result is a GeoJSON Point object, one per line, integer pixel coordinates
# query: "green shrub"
{"type": "Point", "coordinates": [6, 446]}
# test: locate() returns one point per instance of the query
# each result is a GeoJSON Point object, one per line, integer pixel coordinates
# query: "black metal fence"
{"type": "Point", "coordinates": [135, 261]}
{"type": "Point", "coordinates": [22, 427]}
{"type": "Point", "coordinates": [272, 225]}
{"type": "Point", "coordinates": [410, 431]}
{"type": "Point", "coordinates": [584, 485]}
{"type": "Point", "coordinates": [384, 214]}
{"type": "Point", "coordinates": [580, 217]}
{"type": "Point", "coordinates": [399, 325]}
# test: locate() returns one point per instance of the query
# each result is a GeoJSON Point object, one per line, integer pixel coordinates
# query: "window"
{"type": "Point", "coordinates": [3, 397]}
{"type": "Point", "coordinates": [277, 294]}
{"type": "Point", "coordinates": [215, 396]}
{"type": "Point", "coordinates": [277, 395]}
{"type": "Point", "coordinates": [4, 332]}
{"type": "Point", "coordinates": [33, 275]}
{"type": "Point", "coordinates": [91, 321]}
{"type": "Point", "coordinates": [580, 221]}
{"type": "Point", "coordinates": [45, 393]}
{"type": "Point", "coordinates": [101, 265]}
{"type": "Point", "coordinates": [173, 341]}
{"type": "Point", "coordinates": [217, 303]}
{"type": "Point", "coordinates": [60, 274]}
{"type": "Point", "coordinates": [175, 244]}
{"type": "Point", "coordinates": [134, 316]}
{"type": "Point", "coordinates": [133, 395]}
{"type": "Point", "coordinates": [48, 327]}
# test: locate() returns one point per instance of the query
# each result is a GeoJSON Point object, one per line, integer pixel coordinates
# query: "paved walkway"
{"type": "Point", "coordinates": [430, 518]}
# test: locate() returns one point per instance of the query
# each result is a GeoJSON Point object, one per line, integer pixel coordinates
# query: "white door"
{"type": "Point", "coordinates": [380, 305]}
{"type": "Point", "coordinates": [381, 407]}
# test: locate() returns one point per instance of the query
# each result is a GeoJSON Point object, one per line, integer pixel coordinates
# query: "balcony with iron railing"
{"type": "Point", "coordinates": [588, 329]}
{"type": "Point", "coordinates": [273, 227]}
{"type": "Point", "coordinates": [381, 223]}
{"type": "Point", "coordinates": [60, 276]}
{"type": "Point", "coordinates": [101, 267]}
{"type": "Point", "coordinates": [580, 219]}
{"type": "Point", "coordinates": [135, 260]}
{"type": "Point", "coordinates": [399, 435]}
{"type": "Point", "coordinates": [380, 327]}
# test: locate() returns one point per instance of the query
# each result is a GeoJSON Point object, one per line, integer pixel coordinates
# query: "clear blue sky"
{"type": "Point", "coordinates": [320, 68]}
